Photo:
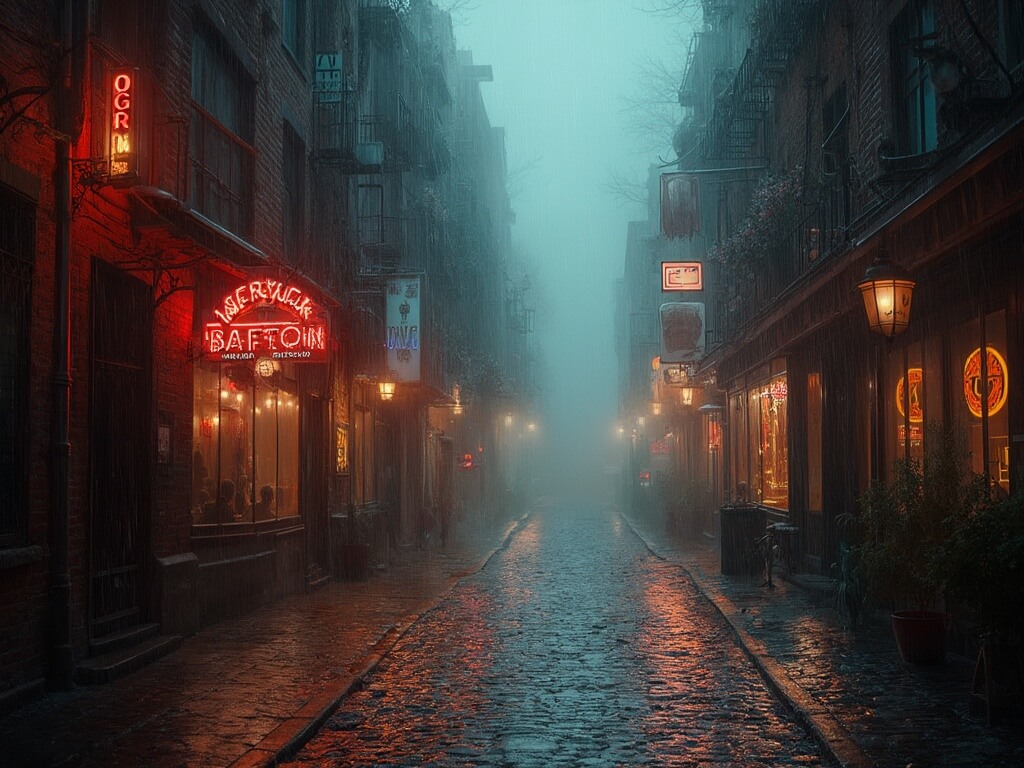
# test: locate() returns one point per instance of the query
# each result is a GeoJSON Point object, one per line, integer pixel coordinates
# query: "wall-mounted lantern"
{"type": "Point", "coordinates": [387, 390]}
{"type": "Point", "coordinates": [887, 291]}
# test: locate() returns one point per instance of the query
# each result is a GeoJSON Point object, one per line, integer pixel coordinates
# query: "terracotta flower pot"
{"type": "Point", "coordinates": [920, 636]}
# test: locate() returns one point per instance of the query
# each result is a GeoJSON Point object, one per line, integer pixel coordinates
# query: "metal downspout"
{"type": "Point", "coordinates": [69, 109]}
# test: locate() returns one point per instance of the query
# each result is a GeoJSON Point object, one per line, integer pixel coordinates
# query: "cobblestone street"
{"type": "Point", "coordinates": [574, 646]}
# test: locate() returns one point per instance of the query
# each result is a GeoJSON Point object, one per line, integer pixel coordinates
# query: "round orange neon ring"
{"type": "Point", "coordinates": [999, 382]}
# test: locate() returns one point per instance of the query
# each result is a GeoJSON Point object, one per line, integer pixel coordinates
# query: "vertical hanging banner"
{"type": "Point", "coordinates": [680, 204]}
{"type": "Point", "coordinates": [682, 332]}
{"type": "Point", "coordinates": [402, 316]}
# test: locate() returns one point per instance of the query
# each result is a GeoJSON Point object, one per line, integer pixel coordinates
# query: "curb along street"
{"type": "Point", "coordinates": [816, 718]}
{"type": "Point", "coordinates": [291, 735]}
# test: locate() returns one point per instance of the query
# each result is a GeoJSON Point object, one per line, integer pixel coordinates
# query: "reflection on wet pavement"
{"type": "Point", "coordinates": [573, 647]}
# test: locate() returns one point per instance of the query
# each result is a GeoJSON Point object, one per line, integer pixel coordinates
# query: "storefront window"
{"type": "Point", "coordinates": [246, 443]}
{"type": "Point", "coordinates": [767, 439]}
{"type": "Point", "coordinates": [774, 448]}
{"type": "Point", "coordinates": [971, 407]}
{"type": "Point", "coordinates": [905, 402]}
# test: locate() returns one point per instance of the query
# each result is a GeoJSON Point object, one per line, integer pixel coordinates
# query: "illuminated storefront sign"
{"type": "Point", "coordinates": [123, 100]}
{"type": "Point", "coordinates": [681, 276]}
{"type": "Point", "coordinates": [998, 383]}
{"type": "Point", "coordinates": [916, 376]}
{"type": "Point", "coordinates": [402, 318]}
{"type": "Point", "coordinates": [267, 319]}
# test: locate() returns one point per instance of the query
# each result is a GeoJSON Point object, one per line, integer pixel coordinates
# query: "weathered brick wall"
{"type": "Point", "coordinates": [28, 164]}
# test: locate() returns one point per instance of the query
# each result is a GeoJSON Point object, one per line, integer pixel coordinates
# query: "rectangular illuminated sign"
{"type": "Point", "coordinates": [121, 150]}
{"type": "Point", "coordinates": [403, 331]}
{"type": "Point", "coordinates": [682, 276]}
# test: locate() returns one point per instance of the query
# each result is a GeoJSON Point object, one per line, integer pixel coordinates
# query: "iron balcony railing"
{"type": "Point", "coordinates": [819, 235]}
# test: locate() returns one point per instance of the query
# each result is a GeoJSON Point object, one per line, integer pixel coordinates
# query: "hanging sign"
{"type": "Point", "coordinates": [267, 319]}
{"type": "Point", "coordinates": [681, 276]}
{"type": "Point", "coordinates": [402, 318]}
{"type": "Point", "coordinates": [122, 126]}
{"type": "Point", "coordinates": [682, 332]}
{"type": "Point", "coordinates": [998, 383]}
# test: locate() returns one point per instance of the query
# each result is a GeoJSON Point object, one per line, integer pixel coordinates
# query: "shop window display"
{"type": "Point", "coordinates": [980, 394]}
{"type": "Point", "coordinates": [245, 440]}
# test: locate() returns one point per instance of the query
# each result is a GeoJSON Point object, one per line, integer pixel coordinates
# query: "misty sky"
{"type": "Point", "coordinates": [561, 71]}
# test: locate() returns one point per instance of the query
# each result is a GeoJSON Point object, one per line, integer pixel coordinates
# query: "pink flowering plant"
{"type": "Point", "coordinates": [771, 218]}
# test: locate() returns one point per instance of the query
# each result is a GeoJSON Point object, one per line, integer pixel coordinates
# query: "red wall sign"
{"type": "Point", "coordinates": [267, 318]}
{"type": "Point", "coordinates": [122, 151]}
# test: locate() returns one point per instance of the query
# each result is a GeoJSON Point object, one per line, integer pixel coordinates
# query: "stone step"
{"type": "Point", "coordinates": [124, 638]}
{"type": "Point", "coordinates": [102, 669]}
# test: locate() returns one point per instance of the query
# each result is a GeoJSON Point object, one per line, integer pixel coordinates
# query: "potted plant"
{"type": "Point", "coordinates": [903, 528]}
{"type": "Point", "coordinates": [982, 561]}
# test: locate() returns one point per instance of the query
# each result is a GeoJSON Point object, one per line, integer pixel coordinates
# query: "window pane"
{"type": "Point", "coordinates": [17, 236]}
{"type": "Point", "coordinates": [235, 412]}
{"type": "Point", "coordinates": [774, 447]}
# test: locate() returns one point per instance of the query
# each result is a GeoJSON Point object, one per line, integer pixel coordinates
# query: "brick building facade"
{"type": "Point", "coordinates": [185, 441]}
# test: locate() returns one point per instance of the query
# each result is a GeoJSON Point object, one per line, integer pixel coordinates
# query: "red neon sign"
{"type": "Point", "coordinates": [285, 325]}
{"type": "Point", "coordinates": [122, 122]}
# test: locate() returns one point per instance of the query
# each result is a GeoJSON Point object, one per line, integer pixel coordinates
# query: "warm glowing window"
{"type": "Point", "coordinates": [774, 446]}
{"type": "Point", "coordinates": [246, 444]}
{"type": "Point", "coordinates": [980, 395]}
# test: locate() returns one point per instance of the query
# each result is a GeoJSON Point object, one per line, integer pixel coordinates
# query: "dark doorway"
{"type": "Point", "coordinates": [314, 434]}
{"type": "Point", "coordinates": [121, 339]}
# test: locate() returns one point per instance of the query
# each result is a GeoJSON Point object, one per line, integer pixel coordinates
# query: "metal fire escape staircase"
{"type": "Point", "coordinates": [740, 110]}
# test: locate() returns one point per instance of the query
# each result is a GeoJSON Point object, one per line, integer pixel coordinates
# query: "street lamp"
{"type": "Point", "coordinates": [887, 291]}
{"type": "Point", "coordinates": [386, 389]}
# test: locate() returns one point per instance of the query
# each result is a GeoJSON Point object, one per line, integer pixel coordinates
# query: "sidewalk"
{"type": "Point", "coordinates": [851, 689]}
{"type": "Point", "coordinates": [243, 692]}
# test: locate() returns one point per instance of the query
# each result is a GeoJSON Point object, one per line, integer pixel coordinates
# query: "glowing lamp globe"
{"type": "Point", "coordinates": [887, 291]}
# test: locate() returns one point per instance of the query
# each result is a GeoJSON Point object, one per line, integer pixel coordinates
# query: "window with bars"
{"type": "Point", "coordinates": [17, 244]}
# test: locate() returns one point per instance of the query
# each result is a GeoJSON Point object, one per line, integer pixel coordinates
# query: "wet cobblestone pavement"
{"type": "Point", "coordinates": [893, 713]}
{"type": "Point", "coordinates": [574, 647]}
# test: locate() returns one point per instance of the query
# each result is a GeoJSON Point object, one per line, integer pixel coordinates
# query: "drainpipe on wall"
{"type": "Point", "coordinates": [71, 27]}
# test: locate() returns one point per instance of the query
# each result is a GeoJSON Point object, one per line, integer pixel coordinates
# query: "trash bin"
{"type": "Point", "coordinates": [741, 526]}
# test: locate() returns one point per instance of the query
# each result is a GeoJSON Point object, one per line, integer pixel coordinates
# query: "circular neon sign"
{"type": "Point", "coordinates": [998, 381]}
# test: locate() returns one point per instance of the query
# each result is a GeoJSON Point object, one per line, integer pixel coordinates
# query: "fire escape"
{"type": "Point", "coordinates": [777, 30]}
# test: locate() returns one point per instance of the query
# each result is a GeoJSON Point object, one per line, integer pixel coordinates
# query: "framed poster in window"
{"type": "Point", "coordinates": [341, 449]}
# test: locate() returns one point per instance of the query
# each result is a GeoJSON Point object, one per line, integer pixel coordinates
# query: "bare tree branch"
{"type": "Point", "coordinates": [626, 189]}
